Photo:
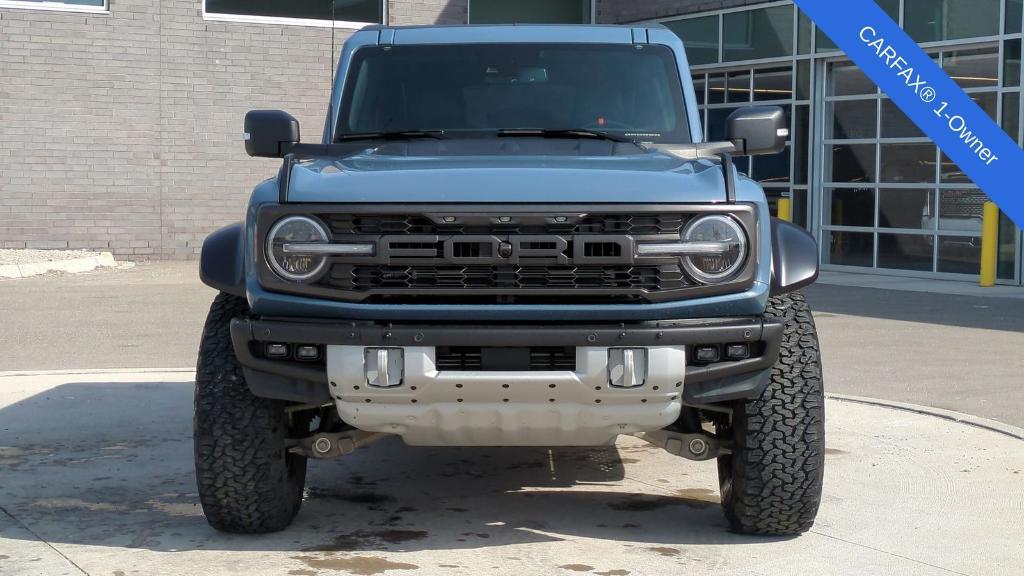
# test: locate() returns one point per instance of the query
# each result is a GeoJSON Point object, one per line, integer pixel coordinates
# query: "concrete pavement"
{"type": "Point", "coordinates": [96, 478]}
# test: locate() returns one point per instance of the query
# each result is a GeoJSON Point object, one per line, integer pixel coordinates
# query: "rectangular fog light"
{"type": "Point", "coordinates": [384, 367]}
{"type": "Point", "coordinates": [277, 350]}
{"type": "Point", "coordinates": [737, 351]}
{"type": "Point", "coordinates": [706, 354]}
{"type": "Point", "coordinates": [307, 353]}
{"type": "Point", "coordinates": [627, 367]}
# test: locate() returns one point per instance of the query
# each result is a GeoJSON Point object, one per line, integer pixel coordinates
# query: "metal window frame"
{"type": "Point", "coordinates": [287, 21]}
{"type": "Point", "coordinates": [56, 6]}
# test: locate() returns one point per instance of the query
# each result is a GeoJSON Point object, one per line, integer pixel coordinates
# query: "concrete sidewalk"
{"type": "Point", "coordinates": [96, 478]}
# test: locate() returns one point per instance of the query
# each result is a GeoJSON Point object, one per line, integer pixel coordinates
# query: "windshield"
{"type": "Point", "coordinates": [481, 89]}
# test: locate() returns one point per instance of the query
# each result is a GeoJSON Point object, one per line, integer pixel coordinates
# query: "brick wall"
{"type": "Point", "coordinates": [409, 12]}
{"type": "Point", "coordinates": [122, 132]}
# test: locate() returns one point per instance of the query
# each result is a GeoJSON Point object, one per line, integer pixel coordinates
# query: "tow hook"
{"type": "Point", "coordinates": [324, 445]}
{"type": "Point", "coordinates": [690, 446]}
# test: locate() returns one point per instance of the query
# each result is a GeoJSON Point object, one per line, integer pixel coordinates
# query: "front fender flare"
{"type": "Point", "coordinates": [794, 258]}
{"type": "Point", "coordinates": [222, 262]}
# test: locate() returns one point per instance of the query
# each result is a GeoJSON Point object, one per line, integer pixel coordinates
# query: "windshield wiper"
{"type": "Point", "coordinates": [396, 135]}
{"type": "Point", "coordinates": [565, 133]}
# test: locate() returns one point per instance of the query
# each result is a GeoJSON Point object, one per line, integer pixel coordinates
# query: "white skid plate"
{"type": "Point", "coordinates": [480, 408]}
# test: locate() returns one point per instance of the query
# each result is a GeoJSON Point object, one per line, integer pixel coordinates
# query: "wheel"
{"type": "Point", "coordinates": [771, 483]}
{"type": "Point", "coordinates": [248, 482]}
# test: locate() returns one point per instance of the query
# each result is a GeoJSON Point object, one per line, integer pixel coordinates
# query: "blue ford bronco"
{"type": "Point", "coordinates": [510, 236]}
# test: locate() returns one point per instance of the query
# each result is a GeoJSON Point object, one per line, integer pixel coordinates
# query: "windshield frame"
{"type": "Point", "coordinates": [678, 89]}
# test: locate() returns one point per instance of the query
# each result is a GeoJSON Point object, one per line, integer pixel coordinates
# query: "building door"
{"type": "Point", "coordinates": [888, 199]}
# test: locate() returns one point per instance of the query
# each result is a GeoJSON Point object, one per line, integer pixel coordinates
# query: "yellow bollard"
{"type": "Point", "coordinates": [989, 244]}
{"type": "Point", "coordinates": [785, 209]}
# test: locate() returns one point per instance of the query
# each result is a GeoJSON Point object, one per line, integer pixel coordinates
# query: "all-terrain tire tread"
{"type": "Point", "coordinates": [778, 465]}
{"type": "Point", "coordinates": [247, 483]}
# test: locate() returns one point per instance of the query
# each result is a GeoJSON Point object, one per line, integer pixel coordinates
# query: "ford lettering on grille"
{"type": "Point", "coordinates": [470, 249]}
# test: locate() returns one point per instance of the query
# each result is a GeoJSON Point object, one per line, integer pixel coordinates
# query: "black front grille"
{"type": "Point", "coordinates": [368, 278]}
{"type": "Point", "coordinates": [533, 359]}
{"type": "Point", "coordinates": [507, 254]}
{"type": "Point", "coordinates": [635, 224]}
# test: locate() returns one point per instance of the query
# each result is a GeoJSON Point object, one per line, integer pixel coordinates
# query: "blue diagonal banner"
{"type": "Point", "coordinates": [929, 97]}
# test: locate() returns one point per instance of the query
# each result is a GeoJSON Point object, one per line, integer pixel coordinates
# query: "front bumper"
{"type": "Point", "coordinates": [698, 384]}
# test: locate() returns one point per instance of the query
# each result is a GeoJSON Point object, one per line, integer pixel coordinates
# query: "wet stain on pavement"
{"type": "Point", "coordinates": [630, 460]}
{"type": "Point", "coordinates": [360, 565]}
{"type": "Point", "coordinates": [616, 572]}
{"type": "Point", "coordinates": [302, 573]}
{"type": "Point", "coordinates": [664, 550]}
{"type": "Point", "coordinates": [835, 451]}
{"type": "Point", "coordinates": [577, 567]}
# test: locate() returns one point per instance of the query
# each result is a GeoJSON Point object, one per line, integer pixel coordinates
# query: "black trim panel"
{"type": "Point", "coordinates": [670, 333]}
{"type": "Point", "coordinates": [221, 264]}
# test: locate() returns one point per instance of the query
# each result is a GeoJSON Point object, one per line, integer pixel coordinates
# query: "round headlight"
{"type": "Point", "coordinates": [295, 266]}
{"type": "Point", "coordinates": [715, 266]}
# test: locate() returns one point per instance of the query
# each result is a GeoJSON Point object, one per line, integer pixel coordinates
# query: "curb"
{"type": "Point", "coordinates": [72, 266]}
{"type": "Point", "coordinates": [958, 417]}
{"type": "Point", "coordinates": [88, 372]}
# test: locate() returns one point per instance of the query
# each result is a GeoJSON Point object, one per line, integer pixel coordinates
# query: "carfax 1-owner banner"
{"type": "Point", "coordinates": [929, 97]}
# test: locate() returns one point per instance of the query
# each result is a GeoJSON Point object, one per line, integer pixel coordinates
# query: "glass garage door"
{"type": "Point", "coordinates": [890, 200]}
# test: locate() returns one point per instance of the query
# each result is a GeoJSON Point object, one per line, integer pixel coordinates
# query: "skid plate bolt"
{"type": "Point", "coordinates": [322, 445]}
{"type": "Point", "coordinates": [698, 447]}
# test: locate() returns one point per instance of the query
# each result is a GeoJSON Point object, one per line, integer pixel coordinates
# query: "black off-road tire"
{"type": "Point", "coordinates": [248, 482]}
{"type": "Point", "coordinates": [771, 483]}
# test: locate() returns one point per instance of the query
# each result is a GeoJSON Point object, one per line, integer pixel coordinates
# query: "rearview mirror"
{"type": "Point", "coordinates": [758, 130]}
{"type": "Point", "coordinates": [270, 133]}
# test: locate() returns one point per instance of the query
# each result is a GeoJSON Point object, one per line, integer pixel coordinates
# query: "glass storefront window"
{"type": "Point", "coordinates": [853, 119]}
{"type": "Point", "coordinates": [699, 35]}
{"type": "Point", "coordinates": [352, 11]}
{"type": "Point", "coordinates": [1011, 114]}
{"type": "Point", "coordinates": [803, 80]}
{"type": "Point", "coordinates": [739, 87]}
{"type": "Point", "coordinates": [803, 33]}
{"type": "Point", "coordinates": [906, 251]}
{"type": "Point", "coordinates": [851, 248]}
{"type": "Point", "coordinates": [972, 68]}
{"type": "Point", "coordinates": [934, 20]}
{"type": "Point", "coordinates": [853, 163]}
{"type": "Point", "coordinates": [527, 11]}
{"type": "Point", "coordinates": [847, 79]}
{"type": "Point", "coordinates": [801, 136]}
{"type": "Point", "coordinates": [905, 163]}
{"type": "Point", "coordinates": [699, 85]}
{"type": "Point", "coordinates": [716, 88]}
{"type": "Point", "coordinates": [1011, 63]}
{"type": "Point", "coordinates": [758, 33]}
{"type": "Point", "coordinates": [1014, 11]}
{"type": "Point", "coordinates": [851, 207]}
{"type": "Point", "coordinates": [773, 168]}
{"type": "Point", "coordinates": [1007, 248]}
{"type": "Point", "coordinates": [950, 173]}
{"type": "Point", "coordinates": [895, 123]}
{"type": "Point", "coordinates": [961, 210]}
{"type": "Point", "coordinates": [773, 83]}
{"type": "Point", "coordinates": [959, 254]}
{"type": "Point", "coordinates": [906, 208]}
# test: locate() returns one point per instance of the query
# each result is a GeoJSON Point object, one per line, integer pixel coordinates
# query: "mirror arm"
{"type": "Point", "coordinates": [730, 179]}
{"type": "Point", "coordinates": [284, 179]}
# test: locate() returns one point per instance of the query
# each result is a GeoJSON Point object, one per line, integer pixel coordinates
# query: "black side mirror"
{"type": "Point", "coordinates": [758, 130]}
{"type": "Point", "coordinates": [270, 133]}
